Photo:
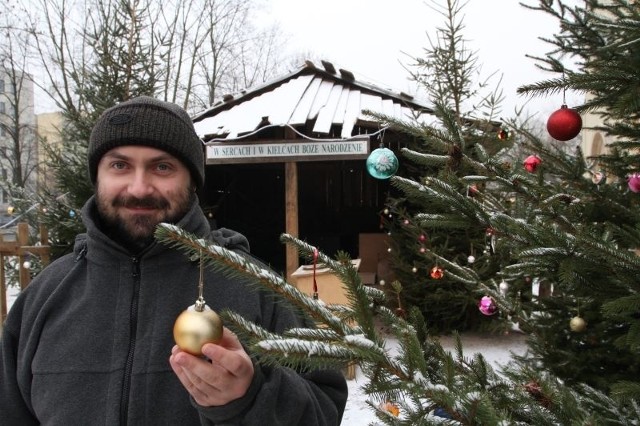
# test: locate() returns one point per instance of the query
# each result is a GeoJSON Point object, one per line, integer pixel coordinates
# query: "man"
{"type": "Point", "coordinates": [90, 340]}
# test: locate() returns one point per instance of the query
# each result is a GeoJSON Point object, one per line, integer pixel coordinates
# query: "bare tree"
{"type": "Point", "coordinates": [188, 51]}
{"type": "Point", "coordinates": [223, 60]}
{"type": "Point", "coordinates": [18, 148]}
{"type": "Point", "coordinates": [87, 55]}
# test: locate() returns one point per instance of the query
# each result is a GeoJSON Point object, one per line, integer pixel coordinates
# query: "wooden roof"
{"type": "Point", "coordinates": [312, 98]}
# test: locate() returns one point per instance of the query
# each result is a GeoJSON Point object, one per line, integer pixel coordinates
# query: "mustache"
{"type": "Point", "coordinates": [145, 202]}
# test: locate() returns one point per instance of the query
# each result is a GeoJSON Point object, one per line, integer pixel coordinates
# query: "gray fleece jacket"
{"type": "Point", "coordinates": [88, 342]}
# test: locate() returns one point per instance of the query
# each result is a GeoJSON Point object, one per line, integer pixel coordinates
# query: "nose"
{"type": "Point", "coordinates": [141, 184]}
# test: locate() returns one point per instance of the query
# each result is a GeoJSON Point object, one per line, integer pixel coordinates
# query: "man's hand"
{"type": "Point", "coordinates": [218, 380]}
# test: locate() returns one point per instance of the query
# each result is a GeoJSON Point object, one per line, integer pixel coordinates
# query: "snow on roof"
{"type": "Point", "coordinates": [319, 97]}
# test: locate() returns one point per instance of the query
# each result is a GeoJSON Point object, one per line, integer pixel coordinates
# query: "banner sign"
{"type": "Point", "coordinates": [285, 151]}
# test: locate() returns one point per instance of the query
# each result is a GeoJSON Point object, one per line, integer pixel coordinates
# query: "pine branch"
{"type": "Point", "coordinates": [235, 265]}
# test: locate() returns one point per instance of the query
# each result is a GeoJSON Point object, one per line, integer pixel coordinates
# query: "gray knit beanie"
{"type": "Point", "coordinates": [149, 122]}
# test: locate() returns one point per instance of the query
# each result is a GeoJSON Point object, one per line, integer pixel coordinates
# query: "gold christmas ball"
{"type": "Point", "coordinates": [577, 324]}
{"type": "Point", "coordinates": [194, 328]}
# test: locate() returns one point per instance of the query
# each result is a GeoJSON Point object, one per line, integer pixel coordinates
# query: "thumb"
{"type": "Point", "coordinates": [228, 341]}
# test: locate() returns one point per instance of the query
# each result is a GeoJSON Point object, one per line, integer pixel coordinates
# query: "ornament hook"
{"type": "Point", "coordinates": [200, 303]}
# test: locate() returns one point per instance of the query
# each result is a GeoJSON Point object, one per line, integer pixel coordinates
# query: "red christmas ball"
{"type": "Point", "coordinates": [531, 163]}
{"type": "Point", "coordinates": [436, 273]}
{"type": "Point", "coordinates": [564, 124]}
{"type": "Point", "coordinates": [634, 182]}
{"type": "Point", "coordinates": [503, 134]}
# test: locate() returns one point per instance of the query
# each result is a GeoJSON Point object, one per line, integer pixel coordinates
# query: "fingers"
{"type": "Point", "coordinates": [225, 376]}
{"type": "Point", "coordinates": [198, 388]}
{"type": "Point", "coordinates": [233, 363]}
{"type": "Point", "coordinates": [230, 354]}
{"type": "Point", "coordinates": [205, 381]}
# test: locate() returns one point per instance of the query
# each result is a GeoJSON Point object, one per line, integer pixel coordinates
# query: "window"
{"type": "Point", "coordinates": [597, 145]}
{"type": "Point", "coordinates": [2, 109]}
{"type": "Point", "coordinates": [1, 86]}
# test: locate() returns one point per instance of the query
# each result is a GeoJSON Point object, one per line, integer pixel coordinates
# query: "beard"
{"type": "Point", "coordinates": [135, 231]}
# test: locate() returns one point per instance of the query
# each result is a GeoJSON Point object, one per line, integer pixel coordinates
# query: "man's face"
{"type": "Point", "coordinates": [139, 187]}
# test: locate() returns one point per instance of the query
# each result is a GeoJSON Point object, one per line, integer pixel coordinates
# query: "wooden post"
{"type": "Point", "coordinates": [291, 208]}
{"type": "Point", "coordinates": [544, 289]}
{"type": "Point", "coordinates": [20, 249]}
{"type": "Point", "coordinates": [23, 240]}
{"type": "Point", "coordinates": [291, 214]}
{"type": "Point", "coordinates": [45, 254]}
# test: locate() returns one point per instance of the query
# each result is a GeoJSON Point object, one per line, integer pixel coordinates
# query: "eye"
{"type": "Point", "coordinates": [164, 167]}
{"type": "Point", "coordinates": [119, 165]}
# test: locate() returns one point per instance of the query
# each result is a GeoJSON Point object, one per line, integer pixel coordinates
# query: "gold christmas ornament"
{"type": "Point", "coordinates": [194, 328]}
{"type": "Point", "coordinates": [577, 324]}
{"type": "Point", "coordinates": [198, 324]}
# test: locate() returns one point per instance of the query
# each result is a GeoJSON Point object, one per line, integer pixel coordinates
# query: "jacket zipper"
{"type": "Point", "coordinates": [133, 322]}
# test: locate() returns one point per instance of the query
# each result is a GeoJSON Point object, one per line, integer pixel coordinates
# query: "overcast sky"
{"type": "Point", "coordinates": [368, 38]}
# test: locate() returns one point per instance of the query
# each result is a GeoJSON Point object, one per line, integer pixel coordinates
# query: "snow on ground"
{"type": "Point", "coordinates": [496, 349]}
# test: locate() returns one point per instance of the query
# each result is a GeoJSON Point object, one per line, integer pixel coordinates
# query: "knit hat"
{"type": "Point", "coordinates": [149, 122]}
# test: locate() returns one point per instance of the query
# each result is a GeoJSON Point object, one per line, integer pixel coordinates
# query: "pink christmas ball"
{"type": "Point", "coordinates": [487, 306]}
{"type": "Point", "coordinates": [531, 163]}
{"type": "Point", "coordinates": [634, 182]}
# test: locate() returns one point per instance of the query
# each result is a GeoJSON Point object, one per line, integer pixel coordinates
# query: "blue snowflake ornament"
{"type": "Point", "coordinates": [382, 163]}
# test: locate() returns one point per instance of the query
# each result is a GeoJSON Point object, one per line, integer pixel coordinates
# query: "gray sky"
{"type": "Point", "coordinates": [368, 38]}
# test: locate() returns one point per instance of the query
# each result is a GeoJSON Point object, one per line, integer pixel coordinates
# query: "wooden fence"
{"type": "Point", "coordinates": [19, 248]}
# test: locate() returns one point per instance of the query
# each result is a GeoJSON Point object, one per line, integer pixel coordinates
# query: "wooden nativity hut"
{"type": "Point", "coordinates": [290, 156]}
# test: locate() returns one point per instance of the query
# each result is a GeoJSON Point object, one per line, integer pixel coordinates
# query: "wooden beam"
{"type": "Point", "coordinates": [291, 207]}
{"type": "Point", "coordinates": [291, 214]}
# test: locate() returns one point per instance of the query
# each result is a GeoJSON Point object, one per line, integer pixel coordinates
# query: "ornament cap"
{"type": "Point", "coordinates": [199, 305]}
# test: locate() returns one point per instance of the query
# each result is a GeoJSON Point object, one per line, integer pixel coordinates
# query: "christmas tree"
{"type": "Point", "coordinates": [547, 219]}
{"type": "Point", "coordinates": [448, 72]}
{"type": "Point", "coordinates": [120, 67]}
{"type": "Point", "coordinates": [589, 330]}
{"type": "Point", "coordinates": [542, 219]}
